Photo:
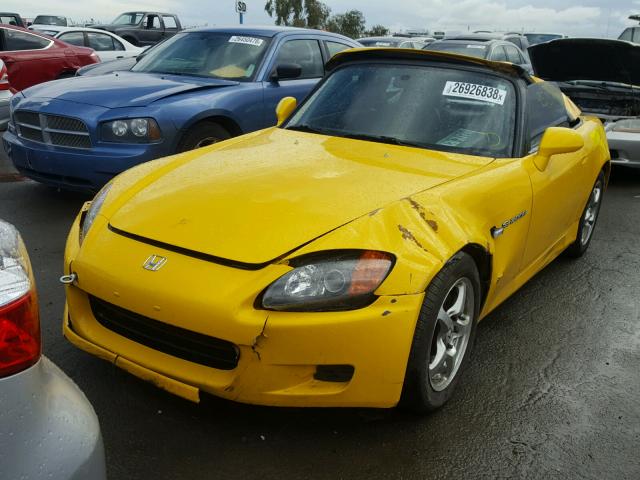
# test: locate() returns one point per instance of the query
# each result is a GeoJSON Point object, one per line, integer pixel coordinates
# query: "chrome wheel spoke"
{"type": "Point", "coordinates": [591, 214]}
{"type": "Point", "coordinates": [458, 306]}
{"type": "Point", "coordinates": [445, 320]}
{"type": "Point", "coordinates": [452, 332]}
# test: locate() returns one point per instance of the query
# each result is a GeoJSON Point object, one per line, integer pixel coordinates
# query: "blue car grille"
{"type": "Point", "coordinates": [52, 129]}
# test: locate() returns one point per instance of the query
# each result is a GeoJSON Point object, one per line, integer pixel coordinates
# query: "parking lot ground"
{"type": "Point", "coordinates": [552, 391]}
{"type": "Point", "coordinates": [7, 170]}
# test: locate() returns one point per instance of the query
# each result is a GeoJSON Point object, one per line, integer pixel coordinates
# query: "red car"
{"type": "Point", "coordinates": [32, 58]}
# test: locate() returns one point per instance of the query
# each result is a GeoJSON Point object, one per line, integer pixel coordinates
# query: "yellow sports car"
{"type": "Point", "coordinates": [344, 257]}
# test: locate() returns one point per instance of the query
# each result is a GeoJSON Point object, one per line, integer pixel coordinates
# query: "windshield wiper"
{"type": "Point", "coordinates": [303, 127]}
{"type": "Point", "coordinates": [355, 136]}
{"type": "Point", "coordinates": [380, 139]}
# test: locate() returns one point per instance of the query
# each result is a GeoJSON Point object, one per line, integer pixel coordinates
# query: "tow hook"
{"type": "Point", "coordinates": [68, 279]}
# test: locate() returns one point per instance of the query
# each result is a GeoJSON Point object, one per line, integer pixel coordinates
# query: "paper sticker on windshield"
{"type": "Point", "coordinates": [475, 92]}
{"type": "Point", "coordinates": [256, 42]}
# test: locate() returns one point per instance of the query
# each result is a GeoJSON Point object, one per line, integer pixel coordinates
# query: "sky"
{"type": "Point", "coordinates": [585, 18]}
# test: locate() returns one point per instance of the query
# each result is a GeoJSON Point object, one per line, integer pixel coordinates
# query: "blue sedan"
{"type": "Point", "coordinates": [197, 88]}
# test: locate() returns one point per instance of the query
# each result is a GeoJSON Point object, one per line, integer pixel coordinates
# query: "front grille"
{"type": "Point", "coordinates": [65, 123]}
{"type": "Point", "coordinates": [68, 140]}
{"type": "Point", "coordinates": [28, 118]}
{"type": "Point", "coordinates": [35, 135]}
{"type": "Point", "coordinates": [169, 339]}
{"type": "Point", "coordinates": [52, 129]}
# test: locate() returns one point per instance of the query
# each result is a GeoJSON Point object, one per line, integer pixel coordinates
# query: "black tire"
{"type": "Point", "coordinates": [201, 135]}
{"type": "Point", "coordinates": [580, 244]}
{"type": "Point", "coordinates": [418, 393]}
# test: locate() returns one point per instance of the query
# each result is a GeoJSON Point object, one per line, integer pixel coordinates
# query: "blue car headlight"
{"type": "Point", "coordinates": [131, 130]}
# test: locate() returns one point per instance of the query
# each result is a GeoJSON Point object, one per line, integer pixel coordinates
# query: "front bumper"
{"type": "Point", "coordinates": [48, 428]}
{"type": "Point", "coordinates": [624, 148]}
{"type": "Point", "coordinates": [280, 352]}
{"type": "Point", "coordinates": [85, 170]}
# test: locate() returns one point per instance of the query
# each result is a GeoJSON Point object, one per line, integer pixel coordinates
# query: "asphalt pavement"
{"type": "Point", "coordinates": [553, 390]}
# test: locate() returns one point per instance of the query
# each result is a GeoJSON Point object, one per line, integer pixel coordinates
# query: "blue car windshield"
{"type": "Point", "coordinates": [429, 107]}
{"type": "Point", "coordinates": [206, 54]}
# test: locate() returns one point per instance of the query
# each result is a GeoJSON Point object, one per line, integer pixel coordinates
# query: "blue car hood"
{"type": "Point", "coordinates": [123, 89]}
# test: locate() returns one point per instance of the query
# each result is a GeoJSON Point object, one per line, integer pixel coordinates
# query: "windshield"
{"type": "Point", "coordinates": [422, 106]}
{"type": "Point", "coordinates": [536, 38]}
{"type": "Point", "coordinates": [206, 54]}
{"type": "Point", "coordinates": [468, 49]}
{"type": "Point", "coordinates": [50, 20]}
{"type": "Point", "coordinates": [132, 18]}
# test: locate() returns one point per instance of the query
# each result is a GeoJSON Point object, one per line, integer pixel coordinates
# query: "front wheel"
{"type": "Point", "coordinates": [444, 336]}
{"type": "Point", "coordinates": [202, 135]}
{"type": "Point", "coordinates": [588, 219]}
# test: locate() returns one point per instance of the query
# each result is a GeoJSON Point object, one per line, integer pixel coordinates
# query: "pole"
{"type": "Point", "coordinates": [241, 18]}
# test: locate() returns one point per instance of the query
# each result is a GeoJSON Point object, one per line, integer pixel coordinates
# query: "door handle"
{"type": "Point", "coordinates": [120, 56]}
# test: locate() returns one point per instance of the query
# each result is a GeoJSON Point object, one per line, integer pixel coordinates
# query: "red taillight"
{"type": "Point", "coordinates": [4, 77]}
{"type": "Point", "coordinates": [19, 335]}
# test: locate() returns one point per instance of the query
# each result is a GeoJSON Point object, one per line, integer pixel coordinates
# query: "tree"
{"type": "Point", "coordinates": [317, 13]}
{"type": "Point", "coordinates": [298, 13]}
{"type": "Point", "coordinates": [377, 31]}
{"type": "Point", "coordinates": [351, 24]}
{"type": "Point", "coordinates": [286, 11]}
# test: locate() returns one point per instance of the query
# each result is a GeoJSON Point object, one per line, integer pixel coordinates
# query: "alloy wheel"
{"type": "Point", "coordinates": [451, 334]}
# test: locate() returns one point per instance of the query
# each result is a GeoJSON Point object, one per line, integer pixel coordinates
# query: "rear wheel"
{"type": "Point", "coordinates": [202, 135]}
{"type": "Point", "coordinates": [444, 336]}
{"type": "Point", "coordinates": [588, 220]}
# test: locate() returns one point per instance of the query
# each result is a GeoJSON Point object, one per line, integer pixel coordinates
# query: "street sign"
{"type": "Point", "coordinates": [241, 7]}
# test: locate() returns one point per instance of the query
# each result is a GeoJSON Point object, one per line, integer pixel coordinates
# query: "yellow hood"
{"type": "Point", "coordinates": [256, 199]}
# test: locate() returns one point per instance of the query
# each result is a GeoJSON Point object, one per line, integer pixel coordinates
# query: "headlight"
{"type": "Point", "coordinates": [331, 281]}
{"type": "Point", "coordinates": [131, 130]}
{"type": "Point", "coordinates": [93, 211]}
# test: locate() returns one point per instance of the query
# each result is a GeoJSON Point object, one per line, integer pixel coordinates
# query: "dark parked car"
{"type": "Point", "coordinates": [602, 77]}
{"type": "Point", "coordinates": [33, 58]}
{"type": "Point", "coordinates": [535, 38]}
{"type": "Point", "coordinates": [496, 50]}
{"type": "Point", "coordinates": [395, 42]}
{"type": "Point", "coordinates": [144, 28]}
{"type": "Point", "coordinates": [518, 40]}
{"type": "Point", "coordinates": [11, 19]}
{"type": "Point", "coordinates": [197, 88]}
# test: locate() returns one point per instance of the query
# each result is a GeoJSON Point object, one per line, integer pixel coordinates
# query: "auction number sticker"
{"type": "Point", "coordinates": [257, 42]}
{"type": "Point", "coordinates": [474, 91]}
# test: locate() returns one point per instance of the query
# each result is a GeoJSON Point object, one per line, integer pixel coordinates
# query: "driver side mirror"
{"type": "Point", "coordinates": [285, 107]}
{"type": "Point", "coordinates": [286, 71]}
{"type": "Point", "coordinates": [555, 141]}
